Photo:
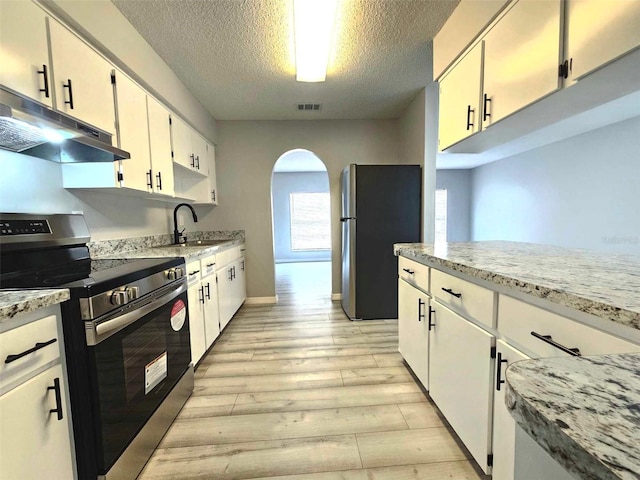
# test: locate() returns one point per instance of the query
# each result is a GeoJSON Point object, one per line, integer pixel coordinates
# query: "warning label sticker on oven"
{"type": "Point", "coordinates": [155, 372]}
{"type": "Point", "coordinates": [178, 315]}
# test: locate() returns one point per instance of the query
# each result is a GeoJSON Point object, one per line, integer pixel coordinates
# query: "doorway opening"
{"type": "Point", "coordinates": [301, 223]}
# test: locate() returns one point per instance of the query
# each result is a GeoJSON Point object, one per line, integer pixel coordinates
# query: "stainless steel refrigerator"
{"type": "Point", "coordinates": [381, 205]}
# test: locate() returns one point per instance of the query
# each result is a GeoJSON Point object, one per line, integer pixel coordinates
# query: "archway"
{"type": "Point", "coordinates": [301, 228]}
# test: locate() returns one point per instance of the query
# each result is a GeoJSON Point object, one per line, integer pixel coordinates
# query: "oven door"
{"type": "Point", "coordinates": [138, 355]}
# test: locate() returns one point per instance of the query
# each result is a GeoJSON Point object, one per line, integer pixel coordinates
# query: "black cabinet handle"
{"type": "Point", "coordinates": [451, 292]}
{"type": "Point", "coordinates": [201, 294]}
{"type": "Point", "coordinates": [410, 272]}
{"type": "Point", "coordinates": [420, 314]}
{"type": "Point", "coordinates": [469, 112]}
{"type": "Point", "coordinates": [193, 160]}
{"type": "Point", "coordinates": [70, 101]}
{"type": "Point", "coordinates": [150, 179]}
{"type": "Point", "coordinates": [208, 291]}
{"type": "Point", "coordinates": [195, 271]}
{"type": "Point", "coordinates": [38, 346]}
{"type": "Point", "coordinates": [213, 195]}
{"type": "Point", "coordinates": [197, 162]}
{"type": "Point", "coordinates": [159, 180]}
{"type": "Point", "coordinates": [431, 312]}
{"type": "Point", "coordinates": [548, 339]}
{"type": "Point", "coordinates": [499, 380]}
{"type": "Point", "coordinates": [242, 267]}
{"type": "Point", "coordinates": [485, 115]}
{"type": "Point", "coordinates": [56, 388]}
{"type": "Point", "coordinates": [231, 273]}
{"type": "Point", "coordinates": [45, 76]}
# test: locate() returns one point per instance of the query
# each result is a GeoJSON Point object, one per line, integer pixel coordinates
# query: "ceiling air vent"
{"type": "Point", "coordinates": [308, 107]}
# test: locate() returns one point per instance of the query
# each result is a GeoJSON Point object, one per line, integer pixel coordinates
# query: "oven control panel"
{"type": "Point", "coordinates": [23, 227]}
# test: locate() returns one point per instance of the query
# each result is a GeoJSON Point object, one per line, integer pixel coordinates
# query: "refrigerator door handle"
{"type": "Point", "coordinates": [344, 219]}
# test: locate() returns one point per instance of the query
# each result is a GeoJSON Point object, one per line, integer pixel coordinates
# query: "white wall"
{"type": "Point", "coordinates": [458, 186]}
{"type": "Point", "coordinates": [582, 192]}
{"type": "Point", "coordinates": [32, 185]}
{"type": "Point", "coordinates": [245, 155]}
{"type": "Point", "coordinates": [282, 186]}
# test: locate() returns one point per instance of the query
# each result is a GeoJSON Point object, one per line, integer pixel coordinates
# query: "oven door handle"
{"type": "Point", "coordinates": [97, 332]}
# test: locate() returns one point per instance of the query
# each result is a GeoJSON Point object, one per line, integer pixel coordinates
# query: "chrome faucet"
{"type": "Point", "coordinates": [177, 234]}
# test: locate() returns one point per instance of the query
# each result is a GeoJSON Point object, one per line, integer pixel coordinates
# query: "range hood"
{"type": "Point", "coordinates": [33, 129]}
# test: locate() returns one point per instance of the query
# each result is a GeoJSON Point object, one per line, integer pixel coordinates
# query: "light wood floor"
{"type": "Point", "coordinates": [297, 391]}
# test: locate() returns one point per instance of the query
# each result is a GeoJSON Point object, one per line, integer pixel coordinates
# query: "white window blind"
{"type": "Point", "coordinates": [310, 221]}
{"type": "Point", "coordinates": [441, 216]}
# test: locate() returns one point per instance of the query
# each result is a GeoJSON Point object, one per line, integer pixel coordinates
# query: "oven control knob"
{"type": "Point", "coordinates": [119, 297]}
{"type": "Point", "coordinates": [132, 292]}
{"type": "Point", "coordinates": [175, 273]}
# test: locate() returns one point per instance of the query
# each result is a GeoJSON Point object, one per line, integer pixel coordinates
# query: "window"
{"type": "Point", "coordinates": [310, 221]}
{"type": "Point", "coordinates": [441, 216]}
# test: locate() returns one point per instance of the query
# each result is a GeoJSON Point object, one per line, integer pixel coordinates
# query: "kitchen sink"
{"type": "Point", "coordinates": [203, 243]}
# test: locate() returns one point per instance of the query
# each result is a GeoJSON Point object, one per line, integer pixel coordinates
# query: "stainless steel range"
{"type": "Point", "coordinates": [126, 334]}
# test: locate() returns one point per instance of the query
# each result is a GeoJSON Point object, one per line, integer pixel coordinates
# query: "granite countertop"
{"type": "Point", "coordinates": [15, 302]}
{"type": "Point", "coordinates": [606, 285]}
{"type": "Point", "coordinates": [187, 252]}
{"type": "Point", "coordinates": [584, 411]}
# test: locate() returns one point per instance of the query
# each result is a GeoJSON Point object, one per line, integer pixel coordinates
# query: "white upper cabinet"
{"type": "Point", "coordinates": [24, 56]}
{"type": "Point", "coordinates": [213, 182]}
{"type": "Point", "coordinates": [460, 91]}
{"type": "Point", "coordinates": [189, 148]}
{"type": "Point", "coordinates": [82, 79]}
{"type": "Point", "coordinates": [598, 32]}
{"type": "Point", "coordinates": [160, 147]}
{"type": "Point", "coordinates": [521, 58]}
{"type": "Point", "coordinates": [133, 134]}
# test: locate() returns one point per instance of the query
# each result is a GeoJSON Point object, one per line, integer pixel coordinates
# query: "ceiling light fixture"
{"type": "Point", "coordinates": [313, 25]}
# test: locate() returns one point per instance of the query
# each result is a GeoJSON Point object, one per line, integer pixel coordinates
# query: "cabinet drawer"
{"type": "Point", "coordinates": [23, 339]}
{"type": "Point", "coordinates": [413, 272]}
{"type": "Point", "coordinates": [228, 256]}
{"type": "Point", "coordinates": [194, 271]}
{"type": "Point", "coordinates": [517, 320]}
{"type": "Point", "coordinates": [207, 265]}
{"type": "Point", "coordinates": [467, 298]}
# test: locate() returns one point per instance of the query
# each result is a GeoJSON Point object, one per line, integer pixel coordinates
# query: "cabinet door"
{"type": "Point", "coordinates": [199, 147]}
{"type": "Point", "coordinates": [413, 329]}
{"type": "Point", "coordinates": [160, 147]}
{"type": "Point", "coordinates": [89, 96]}
{"type": "Point", "coordinates": [521, 58]}
{"type": "Point", "coordinates": [33, 442]}
{"type": "Point", "coordinates": [211, 314]}
{"type": "Point", "coordinates": [242, 279]}
{"type": "Point", "coordinates": [195, 296]}
{"type": "Point", "coordinates": [133, 134]}
{"type": "Point", "coordinates": [24, 54]}
{"type": "Point", "coordinates": [599, 32]}
{"type": "Point", "coordinates": [225, 295]}
{"type": "Point", "coordinates": [181, 143]}
{"type": "Point", "coordinates": [504, 426]}
{"type": "Point", "coordinates": [460, 91]}
{"type": "Point", "coordinates": [213, 182]}
{"type": "Point", "coordinates": [460, 378]}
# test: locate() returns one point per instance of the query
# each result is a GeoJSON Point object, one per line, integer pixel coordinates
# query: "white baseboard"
{"type": "Point", "coordinates": [336, 296]}
{"type": "Point", "coordinates": [261, 300]}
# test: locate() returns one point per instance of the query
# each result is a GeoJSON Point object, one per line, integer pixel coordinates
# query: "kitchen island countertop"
{"type": "Point", "coordinates": [584, 411]}
{"type": "Point", "coordinates": [605, 285]}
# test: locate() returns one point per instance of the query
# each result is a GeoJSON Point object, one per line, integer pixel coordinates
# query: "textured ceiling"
{"type": "Point", "coordinates": [236, 56]}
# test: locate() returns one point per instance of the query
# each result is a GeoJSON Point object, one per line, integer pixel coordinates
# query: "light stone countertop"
{"type": "Point", "coordinates": [16, 302]}
{"type": "Point", "coordinates": [605, 285]}
{"type": "Point", "coordinates": [584, 411]}
{"type": "Point", "coordinates": [186, 252]}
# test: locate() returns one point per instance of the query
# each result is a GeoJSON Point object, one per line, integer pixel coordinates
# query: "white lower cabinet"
{"type": "Point", "coordinates": [460, 371]}
{"type": "Point", "coordinates": [532, 462]}
{"type": "Point", "coordinates": [504, 426]}
{"type": "Point", "coordinates": [197, 333]}
{"type": "Point", "coordinates": [34, 439]}
{"type": "Point", "coordinates": [210, 307]}
{"type": "Point", "coordinates": [231, 283]}
{"type": "Point", "coordinates": [413, 329]}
